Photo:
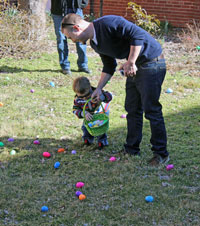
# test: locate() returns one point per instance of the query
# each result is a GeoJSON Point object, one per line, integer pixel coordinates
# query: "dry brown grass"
{"type": "Point", "coordinates": [21, 32]}
{"type": "Point", "coordinates": [190, 37]}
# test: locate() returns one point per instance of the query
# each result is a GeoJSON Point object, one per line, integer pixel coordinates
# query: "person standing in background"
{"type": "Point", "coordinates": [60, 8]}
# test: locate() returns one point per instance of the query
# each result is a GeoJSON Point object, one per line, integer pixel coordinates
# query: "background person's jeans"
{"type": "Point", "coordinates": [62, 46]}
{"type": "Point", "coordinates": [142, 95]}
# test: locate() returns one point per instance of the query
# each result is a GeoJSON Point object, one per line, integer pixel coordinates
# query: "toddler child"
{"type": "Point", "coordinates": [84, 90]}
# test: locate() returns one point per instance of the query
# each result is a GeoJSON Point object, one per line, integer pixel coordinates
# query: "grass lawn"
{"type": "Point", "coordinates": [115, 191]}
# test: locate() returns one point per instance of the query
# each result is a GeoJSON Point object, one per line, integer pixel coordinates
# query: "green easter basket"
{"type": "Point", "coordinates": [99, 130]}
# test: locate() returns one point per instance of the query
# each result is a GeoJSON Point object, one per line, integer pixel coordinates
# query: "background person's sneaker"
{"type": "Point", "coordinates": [157, 160]}
{"type": "Point", "coordinates": [66, 71]}
{"type": "Point", "coordinates": [86, 70]}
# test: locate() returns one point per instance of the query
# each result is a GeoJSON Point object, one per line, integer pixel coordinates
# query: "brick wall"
{"type": "Point", "coordinates": [177, 12]}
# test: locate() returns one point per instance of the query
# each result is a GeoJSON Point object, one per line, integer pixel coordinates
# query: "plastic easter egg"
{"type": "Point", "coordinates": [169, 90]}
{"type": "Point", "coordinates": [112, 159]}
{"type": "Point", "coordinates": [90, 124]}
{"type": "Point", "coordinates": [79, 184]}
{"type": "Point", "coordinates": [1, 144]}
{"type": "Point", "coordinates": [1, 104]}
{"type": "Point", "coordinates": [78, 193]}
{"type": "Point", "coordinates": [198, 47]}
{"type": "Point", "coordinates": [56, 165]}
{"type": "Point", "coordinates": [52, 84]}
{"type": "Point", "coordinates": [13, 152]}
{"type": "Point", "coordinates": [123, 116]}
{"type": "Point", "coordinates": [46, 154]}
{"type": "Point", "coordinates": [121, 72]}
{"type": "Point", "coordinates": [32, 90]}
{"type": "Point", "coordinates": [149, 198]}
{"type": "Point", "coordinates": [44, 209]}
{"type": "Point", "coordinates": [82, 197]}
{"type": "Point", "coordinates": [61, 150]}
{"type": "Point", "coordinates": [10, 139]}
{"type": "Point", "coordinates": [169, 167]}
{"type": "Point", "coordinates": [73, 152]}
{"type": "Point", "coordinates": [36, 142]}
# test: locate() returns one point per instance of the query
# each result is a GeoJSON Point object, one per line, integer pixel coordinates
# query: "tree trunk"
{"type": "Point", "coordinates": [36, 7]}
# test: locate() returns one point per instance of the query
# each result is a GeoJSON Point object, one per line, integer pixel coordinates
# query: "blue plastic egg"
{"type": "Point", "coordinates": [52, 84]}
{"type": "Point", "coordinates": [44, 209]}
{"type": "Point", "coordinates": [149, 198]}
{"type": "Point", "coordinates": [90, 124]}
{"type": "Point", "coordinates": [169, 90]}
{"type": "Point", "coordinates": [56, 165]}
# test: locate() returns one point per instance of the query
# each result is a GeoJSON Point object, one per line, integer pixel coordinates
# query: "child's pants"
{"type": "Point", "coordinates": [87, 136]}
{"type": "Point", "coordinates": [102, 138]}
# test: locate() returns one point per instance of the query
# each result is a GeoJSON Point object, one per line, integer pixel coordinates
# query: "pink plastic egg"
{"type": "Point", "coordinates": [46, 154]}
{"type": "Point", "coordinates": [112, 159]}
{"type": "Point", "coordinates": [123, 116]}
{"type": "Point", "coordinates": [169, 167]}
{"type": "Point", "coordinates": [79, 184]}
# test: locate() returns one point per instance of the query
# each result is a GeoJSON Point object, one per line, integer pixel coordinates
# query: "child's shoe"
{"type": "Point", "coordinates": [86, 142]}
{"type": "Point", "coordinates": [100, 145]}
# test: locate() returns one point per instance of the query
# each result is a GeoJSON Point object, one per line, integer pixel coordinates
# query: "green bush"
{"type": "Point", "coordinates": [145, 21]}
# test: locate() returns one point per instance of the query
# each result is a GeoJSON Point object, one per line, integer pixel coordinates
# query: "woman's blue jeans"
{"type": "Point", "coordinates": [142, 96]}
{"type": "Point", "coordinates": [62, 46]}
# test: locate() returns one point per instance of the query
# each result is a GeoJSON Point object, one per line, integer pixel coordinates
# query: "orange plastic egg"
{"type": "Point", "coordinates": [82, 197]}
{"type": "Point", "coordinates": [61, 150]}
{"type": "Point", "coordinates": [1, 104]}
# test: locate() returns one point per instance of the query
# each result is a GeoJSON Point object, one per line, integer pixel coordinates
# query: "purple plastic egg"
{"type": "Point", "coordinates": [169, 167]}
{"type": "Point", "coordinates": [32, 90]}
{"type": "Point", "coordinates": [73, 152]}
{"type": "Point", "coordinates": [36, 142]}
{"type": "Point", "coordinates": [78, 193]}
{"type": "Point", "coordinates": [10, 139]}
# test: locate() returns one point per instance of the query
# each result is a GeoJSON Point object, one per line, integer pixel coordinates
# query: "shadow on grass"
{"type": "Point", "coordinates": [182, 128]}
{"type": "Point", "coordinates": [26, 144]}
{"type": "Point", "coordinates": [7, 70]}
